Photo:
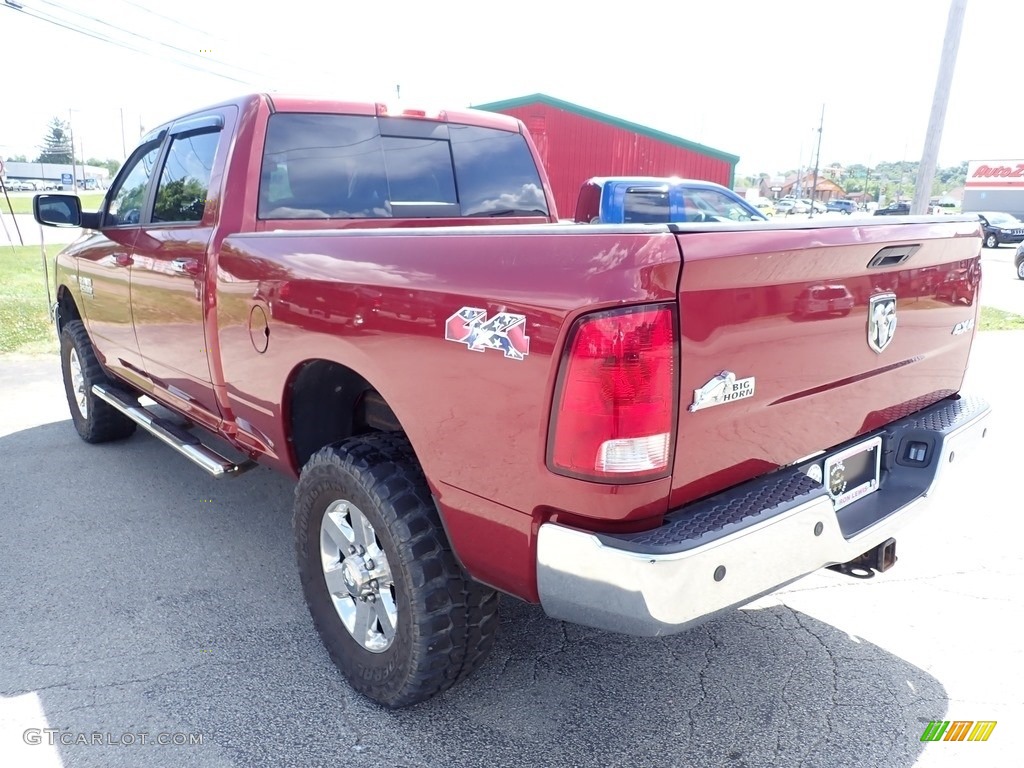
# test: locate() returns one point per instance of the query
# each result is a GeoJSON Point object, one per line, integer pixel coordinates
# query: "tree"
{"type": "Point", "coordinates": [181, 200]}
{"type": "Point", "coordinates": [17, 159]}
{"type": "Point", "coordinates": [111, 165]}
{"type": "Point", "coordinates": [56, 146]}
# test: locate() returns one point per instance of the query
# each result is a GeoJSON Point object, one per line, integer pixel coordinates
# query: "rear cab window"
{"type": "Point", "coordinates": [318, 166]}
{"type": "Point", "coordinates": [646, 206]}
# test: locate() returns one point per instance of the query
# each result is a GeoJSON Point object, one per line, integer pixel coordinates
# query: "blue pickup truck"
{"type": "Point", "coordinates": [657, 200]}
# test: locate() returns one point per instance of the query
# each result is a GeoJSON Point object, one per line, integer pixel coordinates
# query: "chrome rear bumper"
{"type": "Point", "coordinates": [727, 551]}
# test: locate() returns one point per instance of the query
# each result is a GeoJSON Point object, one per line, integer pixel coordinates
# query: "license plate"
{"type": "Point", "coordinates": [853, 474]}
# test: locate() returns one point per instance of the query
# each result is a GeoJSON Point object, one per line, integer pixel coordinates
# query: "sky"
{"type": "Point", "coordinates": [749, 77]}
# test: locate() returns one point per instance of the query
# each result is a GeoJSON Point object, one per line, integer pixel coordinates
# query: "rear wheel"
{"type": "Point", "coordinates": [1020, 269]}
{"type": "Point", "coordinates": [95, 420]}
{"type": "Point", "coordinates": [397, 614]}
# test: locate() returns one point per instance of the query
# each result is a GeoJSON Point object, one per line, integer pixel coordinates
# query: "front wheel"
{"type": "Point", "coordinates": [394, 609]}
{"type": "Point", "coordinates": [991, 241]}
{"type": "Point", "coordinates": [95, 420]}
{"type": "Point", "coordinates": [1020, 269]}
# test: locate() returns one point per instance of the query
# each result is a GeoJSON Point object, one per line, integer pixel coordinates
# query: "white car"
{"type": "Point", "coordinates": [819, 207]}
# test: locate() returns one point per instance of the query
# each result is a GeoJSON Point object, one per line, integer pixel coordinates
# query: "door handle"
{"type": "Point", "coordinates": [185, 266]}
{"type": "Point", "coordinates": [123, 259]}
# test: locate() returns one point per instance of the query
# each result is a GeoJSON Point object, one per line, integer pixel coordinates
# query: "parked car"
{"type": "Point", "coordinates": [581, 430]}
{"type": "Point", "coordinates": [788, 205]}
{"type": "Point", "coordinates": [817, 205]}
{"type": "Point", "coordinates": [1000, 228]}
{"type": "Point", "coordinates": [824, 300]}
{"type": "Point", "coordinates": [765, 206]}
{"type": "Point", "coordinates": [894, 209]}
{"type": "Point", "coordinates": [841, 206]}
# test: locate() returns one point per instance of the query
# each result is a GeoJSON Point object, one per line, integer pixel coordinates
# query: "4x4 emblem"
{"type": "Point", "coordinates": [505, 331]}
{"type": "Point", "coordinates": [881, 320]}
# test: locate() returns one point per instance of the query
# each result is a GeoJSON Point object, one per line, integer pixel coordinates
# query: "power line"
{"type": "Point", "coordinates": [132, 33]}
{"type": "Point", "coordinates": [42, 16]}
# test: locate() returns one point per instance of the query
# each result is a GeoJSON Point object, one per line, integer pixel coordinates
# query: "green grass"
{"type": "Point", "coordinates": [993, 319]}
{"type": "Point", "coordinates": [24, 317]}
{"type": "Point", "coordinates": [21, 204]}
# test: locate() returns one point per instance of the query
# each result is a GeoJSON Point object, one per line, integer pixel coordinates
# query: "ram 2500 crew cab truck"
{"type": "Point", "coordinates": [631, 425]}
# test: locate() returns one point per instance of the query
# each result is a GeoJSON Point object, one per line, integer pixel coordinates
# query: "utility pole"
{"type": "Point", "coordinates": [74, 172]}
{"type": "Point", "coordinates": [930, 156]}
{"type": "Point", "coordinates": [124, 148]}
{"type": "Point", "coordinates": [817, 159]}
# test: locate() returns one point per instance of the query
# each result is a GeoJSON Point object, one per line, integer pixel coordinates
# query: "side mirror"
{"type": "Point", "coordinates": [58, 210]}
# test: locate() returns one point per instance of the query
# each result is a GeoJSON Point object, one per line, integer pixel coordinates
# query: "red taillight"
{"type": "Point", "coordinates": [615, 404]}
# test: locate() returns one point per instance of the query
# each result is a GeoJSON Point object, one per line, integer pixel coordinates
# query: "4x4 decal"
{"type": "Point", "coordinates": [504, 331]}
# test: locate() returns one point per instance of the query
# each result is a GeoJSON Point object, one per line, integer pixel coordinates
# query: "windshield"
{"type": "Point", "coordinates": [1002, 220]}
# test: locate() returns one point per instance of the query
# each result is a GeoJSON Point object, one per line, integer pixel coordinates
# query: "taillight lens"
{"type": "Point", "coordinates": [615, 404]}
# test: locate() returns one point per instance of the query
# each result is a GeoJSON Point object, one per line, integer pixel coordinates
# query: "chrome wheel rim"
{"type": "Point", "coordinates": [358, 576]}
{"type": "Point", "coordinates": [78, 384]}
{"type": "Point", "coordinates": [1020, 270]}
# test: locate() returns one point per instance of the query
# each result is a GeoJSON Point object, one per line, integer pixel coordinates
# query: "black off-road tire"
{"type": "Point", "coordinates": [446, 624]}
{"type": "Point", "coordinates": [101, 422]}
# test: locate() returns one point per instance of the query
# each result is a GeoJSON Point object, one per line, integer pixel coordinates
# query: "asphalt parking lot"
{"type": "Point", "coordinates": [141, 597]}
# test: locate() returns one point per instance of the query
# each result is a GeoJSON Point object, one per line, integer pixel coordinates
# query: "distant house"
{"type": "Point", "coordinates": [825, 190]}
{"type": "Point", "coordinates": [771, 187]}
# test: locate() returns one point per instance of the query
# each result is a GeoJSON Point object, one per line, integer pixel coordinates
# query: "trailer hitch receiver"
{"type": "Point", "coordinates": [881, 558]}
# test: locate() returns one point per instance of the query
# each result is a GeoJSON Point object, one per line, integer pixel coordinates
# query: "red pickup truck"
{"type": "Point", "coordinates": [633, 425]}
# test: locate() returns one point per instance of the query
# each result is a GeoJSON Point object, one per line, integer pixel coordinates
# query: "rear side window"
{"type": "Point", "coordinates": [185, 180]}
{"type": "Point", "coordinates": [340, 167]}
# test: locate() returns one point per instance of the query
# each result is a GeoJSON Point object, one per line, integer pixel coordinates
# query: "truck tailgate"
{"type": "Point", "coordinates": [797, 339]}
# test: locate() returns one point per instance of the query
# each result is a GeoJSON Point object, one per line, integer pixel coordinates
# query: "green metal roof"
{"type": "Point", "coordinates": [522, 101]}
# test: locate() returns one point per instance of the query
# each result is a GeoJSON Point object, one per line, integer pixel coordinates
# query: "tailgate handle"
{"type": "Point", "coordinates": [892, 255]}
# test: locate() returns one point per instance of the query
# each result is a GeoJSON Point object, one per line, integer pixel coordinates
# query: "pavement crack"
{"type": "Point", "coordinates": [563, 646]}
{"type": "Point", "coordinates": [76, 686]}
{"type": "Point", "coordinates": [829, 724]}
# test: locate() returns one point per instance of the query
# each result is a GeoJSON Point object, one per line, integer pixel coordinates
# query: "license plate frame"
{"type": "Point", "coordinates": [845, 485]}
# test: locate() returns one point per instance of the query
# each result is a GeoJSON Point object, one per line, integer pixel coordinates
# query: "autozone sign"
{"type": "Point", "coordinates": [995, 173]}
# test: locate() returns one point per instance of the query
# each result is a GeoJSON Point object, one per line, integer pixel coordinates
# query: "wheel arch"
{"type": "Point", "coordinates": [324, 402]}
{"type": "Point", "coordinates": [67, 309]}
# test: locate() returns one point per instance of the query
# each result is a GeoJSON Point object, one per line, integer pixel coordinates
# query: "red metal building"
{"type": "Point", "coordinates": [576, 143]}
